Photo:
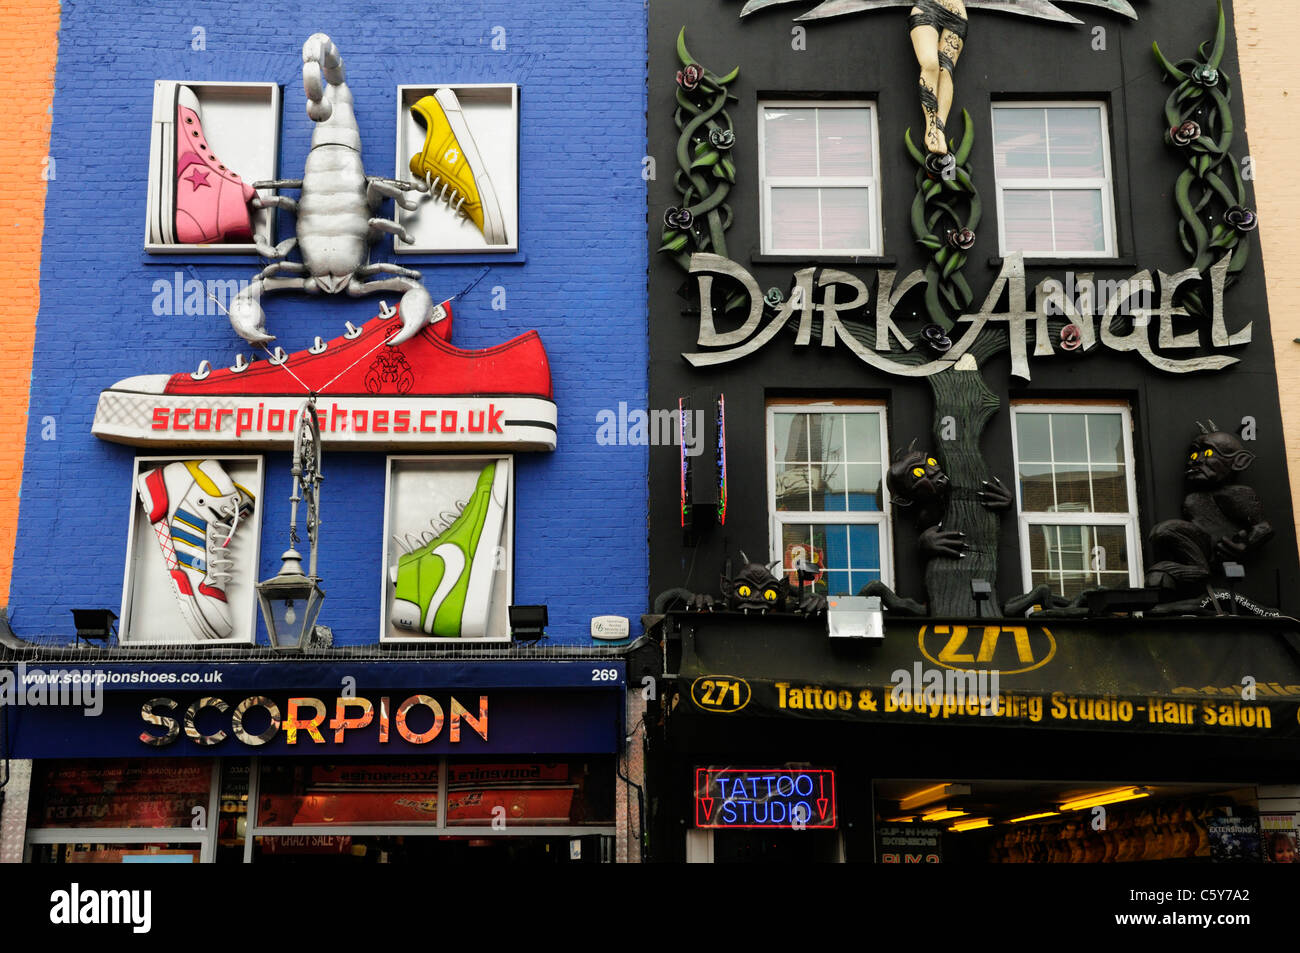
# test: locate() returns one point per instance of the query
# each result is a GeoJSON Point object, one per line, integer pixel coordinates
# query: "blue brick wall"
{"type": "Point", "coordinates": [580, 512]}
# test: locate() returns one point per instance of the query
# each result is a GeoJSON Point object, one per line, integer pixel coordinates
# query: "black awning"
{"type": "Point", "coordinates": [1238, 676]}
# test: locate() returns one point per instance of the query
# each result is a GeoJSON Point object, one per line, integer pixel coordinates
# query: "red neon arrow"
{"type": "Point", "coordinates": [708, 806]}
{"type": "Point", "coordinates": [822, 804]}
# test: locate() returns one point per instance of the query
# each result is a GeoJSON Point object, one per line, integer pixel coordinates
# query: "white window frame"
{"type": "Point", "coordinates": [1106, 184]}
{"type": "Point", "coordinates": [1129, 521]}
{"type": "Point", "coordinates": [778, 518]}
{"type": "Point", "coordinates": [872, 183]}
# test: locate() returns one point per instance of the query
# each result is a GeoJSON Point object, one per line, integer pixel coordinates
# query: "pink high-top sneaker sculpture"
{"type": "Point", "coordinates": [211, 200]}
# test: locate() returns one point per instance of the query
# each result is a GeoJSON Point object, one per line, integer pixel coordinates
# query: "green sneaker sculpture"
{"type": "Point", "coordinates": [444, 588]}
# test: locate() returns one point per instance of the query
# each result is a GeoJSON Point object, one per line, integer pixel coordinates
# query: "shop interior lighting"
{"type": "Point", "coordinates": [1108, 797]}
{"type": "Point", "coordinates": [1033, 817]}
{"type": "Point", "coordinates": [974, 824]}
{"type": "Point", "coordinates": [942, 814]}
{"type": "Point", "coordinates": [936, 792]}
{"type": "Point", "coordinates": [905, 819]}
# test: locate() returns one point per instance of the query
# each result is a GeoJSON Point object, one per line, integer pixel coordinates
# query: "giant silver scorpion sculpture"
{"type": "Point", "coordinates": [336, 213]}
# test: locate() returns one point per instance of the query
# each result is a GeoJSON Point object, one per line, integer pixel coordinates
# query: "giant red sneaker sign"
{"type": "Point", "coordinates": [422, 394]}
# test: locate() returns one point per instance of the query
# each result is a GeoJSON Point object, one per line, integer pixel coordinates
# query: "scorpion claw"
{"type": "Point", "coordinates": [415, 309]}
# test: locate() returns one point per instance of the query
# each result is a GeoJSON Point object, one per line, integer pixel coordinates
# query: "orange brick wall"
{"type": "Point", "coordinates": [1268, 41]}
{"type": "Point", "coordinates": [28, 47]}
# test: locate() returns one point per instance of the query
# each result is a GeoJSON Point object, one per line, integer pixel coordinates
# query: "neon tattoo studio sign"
{"type": "Point", "coordinates": [258, 720]}
{"type": "Point", "coordinates": [1126, 317]}
{"type": "Point", "coordinates": [773, 798]}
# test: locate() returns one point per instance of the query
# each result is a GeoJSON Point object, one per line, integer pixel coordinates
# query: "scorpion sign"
{"type": "Point", "coordinates": [336, 213]}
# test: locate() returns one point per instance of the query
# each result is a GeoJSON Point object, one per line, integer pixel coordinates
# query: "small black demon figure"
{"type": "Point", "coordinates": [916, 481]}
{"type": "Point", "coordinates": [753, 589]}
{"type": "Point", "coordinates": [1222, 520]}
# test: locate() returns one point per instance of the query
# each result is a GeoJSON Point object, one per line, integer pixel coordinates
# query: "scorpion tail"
{"type": "Point", "coordinates": [321, 63]}
{"type": "Point", "coordinates": [415, 309]}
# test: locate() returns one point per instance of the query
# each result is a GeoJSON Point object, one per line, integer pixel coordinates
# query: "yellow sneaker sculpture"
{"type": "Point", "coordinates": [451, 165]}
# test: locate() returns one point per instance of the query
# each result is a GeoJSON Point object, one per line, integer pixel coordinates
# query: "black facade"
{"type": "Point", "coordinates": [1100, 70]}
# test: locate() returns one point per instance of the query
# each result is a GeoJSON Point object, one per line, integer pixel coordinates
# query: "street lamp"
{"type": "Point", "coordinates": [291, 600]}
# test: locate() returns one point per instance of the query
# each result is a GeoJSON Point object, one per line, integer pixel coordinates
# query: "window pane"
{"type": "Point", "coordinates": [1074, 138]}
{"type": "Point", "coordinates": [797, 543]}
{"type": "Point", "coordinates": [826, 433]}
{"type": "Point", "coordinates": [790, 141]}
{"type": "Point", "coordinates": [1105, 438]}
{"type": "Point", "coordinates": [863, 485]}
{"type": "Point", "coordinates": [1034, 438]}
{"type": "Point", "coordinates": [1069, 438]}
{"type": "Point", "coordinates": [1109, 489]}
{"type": "Point", "coordinates": [1020, 143]}
{"type": "Point", "coordinates": [791, 436]}
{"type": "Point", "coordinates": [864, 547]}
{"type": "Point", "coordinates": [845, 141]}
{"type": "Point", "coordinates": [833, 479]}
{"type": "Point", "coordinates": [1073, 489]}
{"type": "Point", "coordinates": [1028, 220]}
{"type": "Point", "coordinates": [795, 218]}
{"type": "Point", "coordinates": [795, 484]}
{"type": "Point", "coordinates": [846, 218]}
{"type": "Point", "coordinates": [1037, 494]}
{"type": "Point", "coordinates": [119, 792]}
{"type": "Point", "coordinates": [1078, 219]}
{"type": "Point", "coordinates": [1112, 550]}
{"type": "Point", "coordinates": [864, 438]}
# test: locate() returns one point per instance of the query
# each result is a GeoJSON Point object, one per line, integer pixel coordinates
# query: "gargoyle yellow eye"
{"type": "Point", "coordinates": [1196, 456]}
{"type": "Point", "coordinates": [932, 462]}
{"type": "Point", "coordinates": [769, 595]}
{"type": "Point", "coordinates": [1209, 452]}
{"type": "Point", "coordinates": [745, 591]}
{"type": "Point", "coordinates": [918, 471]}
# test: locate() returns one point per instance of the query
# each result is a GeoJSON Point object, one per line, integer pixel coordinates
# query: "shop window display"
{"type": "Point", "coordinates": [192, 554]}
{"type": "Point", "coordinates": [1077, 497]}
{"type": "Point", "coordinates": [448, 528]}
{"type": "Point", "coordinates": [462, 142]}
{"type": "Point", "coordinates": [210, 143]}
{"type": "Point", "coordinates": [826, 495]}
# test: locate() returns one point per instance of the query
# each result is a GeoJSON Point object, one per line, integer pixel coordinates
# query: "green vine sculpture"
{"type": "Point", "coordinates": [1199, 122]}
{"type": "Point", "coordinates": [945, 213]}
{"type": "Point", "coordinates": [705, 170]}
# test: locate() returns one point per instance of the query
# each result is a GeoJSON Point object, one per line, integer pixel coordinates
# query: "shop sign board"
{"type": "Point", "coordinates": [909, 844]}
{"type": "Point", "coordinates": [1158, 677]}
{"type": "Point", "coordinates": [766, 798]}
{"type": "Point", "coordinates": [269, 708]}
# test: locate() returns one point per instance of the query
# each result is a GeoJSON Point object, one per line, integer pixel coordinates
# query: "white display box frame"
{"type": "Point", "coordinates": [147, 598]}
{"type": "Point", "coordinates": [492, 112]}
{"type": "Point", "coordinates": [241, 123]}
{"type": "Point", "coordinates": [406, 484]}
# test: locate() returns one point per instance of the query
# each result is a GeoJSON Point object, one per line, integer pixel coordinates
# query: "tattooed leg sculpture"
{"type": "Point", "coordinates": [938, 29]}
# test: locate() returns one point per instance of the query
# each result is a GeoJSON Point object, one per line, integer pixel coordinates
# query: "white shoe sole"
{"type": "Point", "coordinates": [162, 163]}
{"type": "Point", "coordinates": [482, 572]}
{"type": "Point", "coordinates": [494, 223]}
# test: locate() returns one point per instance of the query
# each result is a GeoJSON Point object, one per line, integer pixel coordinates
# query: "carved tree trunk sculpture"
{"type": "Point", "coordinates": [963, 395]}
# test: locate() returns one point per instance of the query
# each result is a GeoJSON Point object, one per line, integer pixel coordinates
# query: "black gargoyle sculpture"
{"type": "Point", "coordinates": [918, 484]}
{"type": "Point", "coordinates": [1223, 521]}
{"type": "Point", "coordinates": [753, 589]}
